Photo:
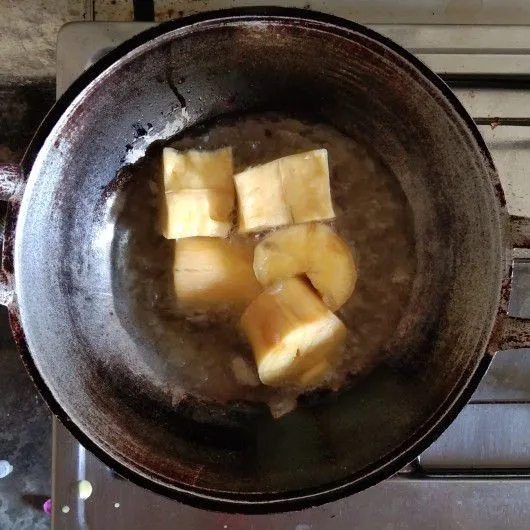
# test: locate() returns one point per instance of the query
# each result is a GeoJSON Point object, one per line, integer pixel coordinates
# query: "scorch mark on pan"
{"type": "Point", "coordinates": [194, 480]}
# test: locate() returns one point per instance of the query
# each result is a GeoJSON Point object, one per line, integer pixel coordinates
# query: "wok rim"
{"type": "Point", "coordinates": [260, 503]}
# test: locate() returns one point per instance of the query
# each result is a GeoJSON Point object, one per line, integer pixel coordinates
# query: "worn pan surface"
{"type": "Point", "coordinates": [58, 270]}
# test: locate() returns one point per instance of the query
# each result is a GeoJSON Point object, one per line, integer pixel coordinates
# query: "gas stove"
{"type": "Point", "coordinates": [477, 475]}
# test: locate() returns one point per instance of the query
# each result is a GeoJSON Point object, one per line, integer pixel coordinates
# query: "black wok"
{"type": "Point", "coordinates": [96, 375]}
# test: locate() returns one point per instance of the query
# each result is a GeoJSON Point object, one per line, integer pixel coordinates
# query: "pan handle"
{"type": "Point", "coordinates": [10, 181]}
{"type": "Point", "coordinates": [11, 187]}
{"type": "Point", "coordinates": [515, 331]}
{"type": "Point", "coordinates": [520, 228]}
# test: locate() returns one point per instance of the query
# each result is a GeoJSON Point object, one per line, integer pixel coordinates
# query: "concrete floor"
{"type": "Point", "coordinates": [25, 422]}
{"type": "Point", "coordinates": [25, 441]}
{"type": "Point", "coordinates": [28, 31]}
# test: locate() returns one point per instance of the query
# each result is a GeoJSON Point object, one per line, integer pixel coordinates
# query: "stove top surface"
{"type": "Point", "coordinates": [477, 475]}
